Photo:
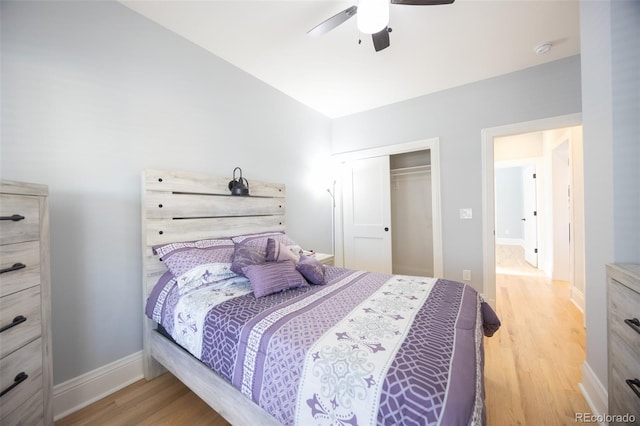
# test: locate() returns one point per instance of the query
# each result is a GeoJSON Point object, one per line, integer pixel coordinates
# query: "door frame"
{"type": "Point", "coordinates": [433, 145]}
{"type": "Point", "coordinates": [488, 190]}
{"type": "Point", "coordinates": [562, 209]}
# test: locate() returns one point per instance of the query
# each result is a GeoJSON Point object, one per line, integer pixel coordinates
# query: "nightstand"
{"type": "Point", "coordinates": [324, 258]}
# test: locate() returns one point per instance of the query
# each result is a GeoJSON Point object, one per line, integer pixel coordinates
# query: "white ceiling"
{"type": "Point", "coordinates": [432, 47]}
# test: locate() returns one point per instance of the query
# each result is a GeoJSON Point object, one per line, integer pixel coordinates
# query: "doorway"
{"type": "Point", "coordinates": [551, 133]}
{"type": "Point", "coordinates": [516, 194]}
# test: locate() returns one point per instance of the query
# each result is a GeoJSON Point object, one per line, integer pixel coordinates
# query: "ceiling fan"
{"type": "Point", "coordinates": [373, 18]}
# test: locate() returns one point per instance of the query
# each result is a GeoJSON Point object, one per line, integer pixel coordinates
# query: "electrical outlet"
{"type": "Point", "coordinates": [466, 275]}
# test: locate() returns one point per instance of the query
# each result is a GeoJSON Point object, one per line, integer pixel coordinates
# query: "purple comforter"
{"type": "Point", "coordinates": [261, 346]}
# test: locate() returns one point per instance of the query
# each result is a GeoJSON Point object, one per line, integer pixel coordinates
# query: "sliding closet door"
{"type": "Point", "coordinates": [367, 215]}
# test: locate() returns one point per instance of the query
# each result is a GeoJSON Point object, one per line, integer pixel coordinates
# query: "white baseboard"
{"type": "Point", "coordinates": [81, 391]}
{"type": "Point", "coordinates": [594, 392]}
{"type": "Point", "coordinates": [577, 297]}
{"type": "Point", "coordinates": [510, 241]}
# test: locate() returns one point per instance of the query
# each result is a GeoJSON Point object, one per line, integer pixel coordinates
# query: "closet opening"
{"type": "Point", "coordinates": [411, 214]}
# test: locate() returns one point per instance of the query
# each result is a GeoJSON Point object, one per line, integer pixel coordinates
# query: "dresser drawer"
{"type": "Point", "coordinates": [29, 413]}
{"type": "Point", "coordinates": [624, 304]}
{"type": "Point", "coordinates": [28, 360]}
{"type": "Point", "coordinates": [27, 229]}
{"type": "Point", "coordinates": [624, 400]}
{"type": "Point", "coordinates": [15, 277]}
{"type": "Point", "coordinates": [24, 304]}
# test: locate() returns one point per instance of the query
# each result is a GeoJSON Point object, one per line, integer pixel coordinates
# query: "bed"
{"type": "Point", "coordinates": [265, 335]}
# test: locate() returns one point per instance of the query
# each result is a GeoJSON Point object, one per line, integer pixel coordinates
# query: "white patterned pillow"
{"type": "Point", "coordinates": [259, 241]}
{"type": "Point", "coordinates": [277, 252]}
{"type": "Point", "coordinates": [204, 275]}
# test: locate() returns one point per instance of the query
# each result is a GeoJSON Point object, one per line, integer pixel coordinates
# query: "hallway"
{"type": "Point", "coordinates": [533, 363]}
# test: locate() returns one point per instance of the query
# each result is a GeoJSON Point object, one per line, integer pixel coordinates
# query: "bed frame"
{"type": "Point", "coordinates": [182, 206]}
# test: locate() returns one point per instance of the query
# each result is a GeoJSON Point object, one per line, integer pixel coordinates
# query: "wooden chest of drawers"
{"type": "Point", "coordinates": [26, 379]}
{"type": "Point", "coordinates": [624, 342]}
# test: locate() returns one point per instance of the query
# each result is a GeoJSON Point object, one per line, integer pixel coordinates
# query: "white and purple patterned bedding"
{"type": "Point", "coordinates": [366, 348]}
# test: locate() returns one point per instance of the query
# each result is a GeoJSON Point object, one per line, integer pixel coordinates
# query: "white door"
{"type": "Point", "coordinates": [367, 214]}
{"type": "Point", "coordinates": [530, 217]}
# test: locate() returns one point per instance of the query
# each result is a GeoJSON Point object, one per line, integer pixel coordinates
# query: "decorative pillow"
{"type": "Point", "coordinates": [159, 291]}
{"type": "Point", "coordinates": [277, 252]}
{"type": "Point", "coordinates": [311, 269]}
{"type": "Point", "coordinates": [259, 241]}
{"type": "Point", "coordinates": [273, 277]}
{"type": "Point", "coordinates": [245, 255]}
{"type": "Point", "coordinates": [215, 256]}
{"type": "Point", "coordinates": [204, 275]}
{"type": "Point", "coordinates": [295, 249]}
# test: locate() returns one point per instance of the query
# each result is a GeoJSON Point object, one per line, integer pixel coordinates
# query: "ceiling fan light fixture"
{"type": "Point", "coordinates": [373, 15]}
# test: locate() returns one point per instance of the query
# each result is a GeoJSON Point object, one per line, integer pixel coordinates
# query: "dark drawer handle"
{"type": "Point", "coordinates": [21, 377]}
{"type": "Point", "coordinates": [14, 267]}
{"type": "Point", "coordinates": [634, 384]}
{"type": "Point", "coordinates": [633, 323]}
{"type": "Point", "coordinates": [17, 320]}
{"type": "Point", "coordinates": [15, 217]}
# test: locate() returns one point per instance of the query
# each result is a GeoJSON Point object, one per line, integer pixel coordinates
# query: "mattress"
{"type": "Point", "coordinates": [365, 348]}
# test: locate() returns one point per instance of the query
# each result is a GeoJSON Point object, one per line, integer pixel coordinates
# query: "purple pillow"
{"type": "Point", "coordinates": [183, 257]}
{"type": "Point", "coordinates": [311, 269]}
{"type": "Point", "coordinates": [273, 277]}
{"type": "Point", "coordinates": [244, 255]}
{"type": "Point", "coordinates": [277, 252]}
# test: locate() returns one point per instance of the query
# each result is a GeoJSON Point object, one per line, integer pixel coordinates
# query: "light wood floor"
{"type": "Point", "coordinates": [532, 364]}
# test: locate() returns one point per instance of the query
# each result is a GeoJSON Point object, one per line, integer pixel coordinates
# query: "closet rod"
{"type": "Point", "coordinates": [411, 170]}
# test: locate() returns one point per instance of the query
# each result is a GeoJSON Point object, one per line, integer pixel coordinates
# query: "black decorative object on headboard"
{"type": "Point", "coordinates": [238, 186]}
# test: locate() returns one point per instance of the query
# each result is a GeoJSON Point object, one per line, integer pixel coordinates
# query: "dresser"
{"type": "Point", "coordinates": [26, 379]}
{"type": "Point", "coordinates": [623, 311]}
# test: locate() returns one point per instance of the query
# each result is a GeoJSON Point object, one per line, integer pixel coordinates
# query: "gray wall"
{"type": "Point", "coordinates": [625, 68]}
{"type": "Point", "coordinates": [457, 117]}
{"type": "Point", "coordinates": [610, 45]}
{"type": "Point", "coordinates": [92, 94]}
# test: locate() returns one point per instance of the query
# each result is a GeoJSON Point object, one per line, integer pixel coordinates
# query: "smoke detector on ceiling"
{"type": "Point", "coordinates": [543, 48]}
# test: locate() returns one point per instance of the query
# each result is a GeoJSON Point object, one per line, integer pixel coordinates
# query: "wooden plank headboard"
{"type": "Point", "coordinates": [185, 206]}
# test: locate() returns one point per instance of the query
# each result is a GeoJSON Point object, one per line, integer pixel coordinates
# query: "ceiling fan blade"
{"type": "Point", "coordinates": [381, 39]}
{"type": "Point", "coordinates": [422, 2]}
{"type": "Point", "coordinates": [333, 22]}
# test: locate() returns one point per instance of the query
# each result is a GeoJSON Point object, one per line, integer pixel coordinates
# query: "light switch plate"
{"type": "Point", "coordinates": [466, 213]}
